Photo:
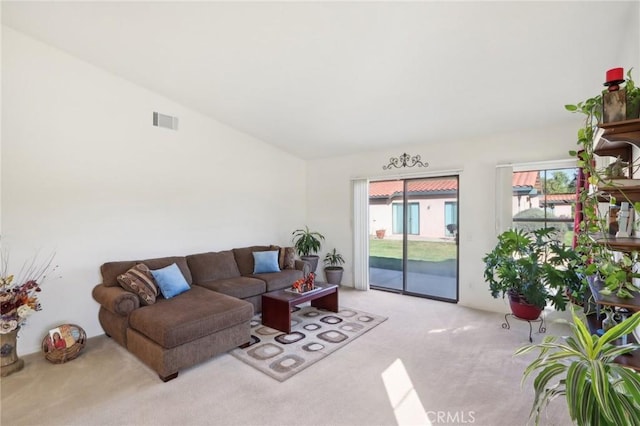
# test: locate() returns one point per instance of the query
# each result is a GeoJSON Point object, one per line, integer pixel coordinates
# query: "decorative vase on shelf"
{"type": "Point", "coordinates": [609, 321]}
{"type": "Point", "coordinates": [9, 361]}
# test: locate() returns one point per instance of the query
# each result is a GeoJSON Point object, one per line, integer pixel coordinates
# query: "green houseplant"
{"type": "Point", "coordinates": [307, 243]}
{"type": "Point", "coordinates": [532, 268]}
{"type": "Point", "coordinates": [581, 367]}
{"type": "Point", "coordinates": [333, 270]}
{"type": "Point", "coordinates": [596, 259]}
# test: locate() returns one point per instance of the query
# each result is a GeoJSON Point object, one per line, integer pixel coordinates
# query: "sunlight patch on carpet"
{"type": "Point", "coordinates": [404, 399]}
{"type": "Point", "coordinates": [315, 333]}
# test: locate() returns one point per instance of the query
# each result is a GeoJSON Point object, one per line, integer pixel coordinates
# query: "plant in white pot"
{"type": "Point", "coordinates": [333, 271]}
{"type": "Point", "coordinates": [307, 243]}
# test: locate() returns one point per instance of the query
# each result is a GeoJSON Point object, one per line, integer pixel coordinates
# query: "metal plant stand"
{"type": "Point", "coordinates": [540, 319]}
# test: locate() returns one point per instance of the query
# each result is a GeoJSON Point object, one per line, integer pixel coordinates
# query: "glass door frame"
{"type": "Point", "coordinates": [405, 241]}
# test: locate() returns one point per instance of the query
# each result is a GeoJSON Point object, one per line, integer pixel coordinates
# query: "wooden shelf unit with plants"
{"type": "Point", "coordinates": [594, 321]}
{"type": "Point", "coordinates": [617, 140]}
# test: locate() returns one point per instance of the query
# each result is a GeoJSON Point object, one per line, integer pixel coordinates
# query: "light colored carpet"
{"type": "Point", "coordinates": [315, 333]}
{"type": "Point", "coordinates": [428, 360]}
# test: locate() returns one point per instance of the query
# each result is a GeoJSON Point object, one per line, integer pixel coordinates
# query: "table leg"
{"type": "Point", "coordinates": [328, 302]}
{"type": "Point", "coordinates": [276, 314]}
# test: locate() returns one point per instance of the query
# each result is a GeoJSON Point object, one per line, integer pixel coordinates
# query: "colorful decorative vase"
{"type": "Point", "coordinates": [9, 361]}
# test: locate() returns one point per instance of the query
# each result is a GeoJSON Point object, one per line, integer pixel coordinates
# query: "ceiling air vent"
{"type": "Point", "coordinates": [166, 121]}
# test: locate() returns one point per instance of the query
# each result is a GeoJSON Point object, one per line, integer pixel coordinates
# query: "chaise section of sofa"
{"type": "Point", "coordinates": [187, 329]}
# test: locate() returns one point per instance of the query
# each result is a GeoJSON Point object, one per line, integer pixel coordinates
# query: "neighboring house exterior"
{"type": "Point", "coordinates": [433, 205]}
{"type": "Point", "coordinates": [528, 194]}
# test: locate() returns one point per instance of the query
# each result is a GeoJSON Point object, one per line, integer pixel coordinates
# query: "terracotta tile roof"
{"type": "Point", "coordinates": [527, 179]}
{"type": "Point", "coordinates": [559, 198]}
{"type": "Point", "coordinates": [387, 188]}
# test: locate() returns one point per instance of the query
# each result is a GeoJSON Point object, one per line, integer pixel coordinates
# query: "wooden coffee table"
{"type": "Point", "coordinates": [276, 305]}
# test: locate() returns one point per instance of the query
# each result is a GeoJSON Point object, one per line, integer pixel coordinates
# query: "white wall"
{"type": "Point", "coordinates": [85, 174]}
{"type": "Point", "coordinates": [330, 208]}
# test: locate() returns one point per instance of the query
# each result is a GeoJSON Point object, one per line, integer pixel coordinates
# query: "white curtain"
{"type": "Point", "coordinates": [504, 198]}
{"type": "Point", "coordinates": [361, 234]}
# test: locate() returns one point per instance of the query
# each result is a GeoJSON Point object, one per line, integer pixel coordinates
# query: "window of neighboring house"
{"type": "Point", "coordinates": [413, 219]}
{"type": "Point", "coordinates": [451, 218]}
{"type": "Point", "coordinates": [545, 198]}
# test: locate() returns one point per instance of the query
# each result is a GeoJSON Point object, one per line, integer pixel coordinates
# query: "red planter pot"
{"type": "Point", "coordinates": [523, 310]}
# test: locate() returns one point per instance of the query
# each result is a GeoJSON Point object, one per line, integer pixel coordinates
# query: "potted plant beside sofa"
{"type": "Point", "coordinates": [307, 243]}
{"type": "Point", "coordinates": [532, 268]}
{"type": "Point", "coordinates": [333, 271]}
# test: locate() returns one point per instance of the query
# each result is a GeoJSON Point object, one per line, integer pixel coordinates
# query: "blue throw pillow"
{"type": "Point", "coordinates": [265, 261]}
{"type": "Point", "coordinates": [170, 280]}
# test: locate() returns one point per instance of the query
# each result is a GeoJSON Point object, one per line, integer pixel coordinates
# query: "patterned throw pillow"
{"type": "Point", "coordinates": [286, 257]}
{"type": "Point", "coordinates": [139, 280]}
{"type": "Point", "coordinates": [289, 258]}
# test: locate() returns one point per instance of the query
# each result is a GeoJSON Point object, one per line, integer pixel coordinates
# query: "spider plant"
{"type": "Point", "coordinates": [581, 367]}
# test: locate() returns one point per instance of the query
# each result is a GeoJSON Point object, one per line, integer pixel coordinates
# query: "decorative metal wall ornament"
{"type": "Point", "coordinates": [405, 160]}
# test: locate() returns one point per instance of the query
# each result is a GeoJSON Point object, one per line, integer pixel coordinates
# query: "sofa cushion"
{"type": "Point", "coordinates": [240, 287]}
{"type": "Point", "coordinates": [170, 280]}
{"type": "Point", "coordinates": [189, 316]}
{"type": "Point", "coordinates": [244, 258]}
{"type": "Point", "coordinates": [139, 280]}
{"type": "Point", "coordinates": [161, 262]}
{"type": "Point", "coordinates": [265, 261]}
{"type": "Point", "coordinates": [213, 266]}
{"type": "Point", "coordinates": [279, 280]}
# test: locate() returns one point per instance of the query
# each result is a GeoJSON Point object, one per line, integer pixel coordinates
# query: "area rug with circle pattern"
{"type": "Point", "coordinates": [315, 333]}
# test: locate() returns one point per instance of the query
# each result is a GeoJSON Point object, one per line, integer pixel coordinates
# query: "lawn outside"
{"type": "Point", "coordinates": [434, 251]}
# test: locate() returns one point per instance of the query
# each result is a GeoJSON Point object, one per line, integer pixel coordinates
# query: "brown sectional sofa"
{"type": "Point", "coordinates": [210, 318]}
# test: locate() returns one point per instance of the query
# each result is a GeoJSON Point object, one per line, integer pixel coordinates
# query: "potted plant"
{"type": "Point", "coordinates": [532, 268]}
{"type": "Point", "coordinates": [333, 271]}
{"type": "Point", "coordinates": [307, 244]}
{"type": "Point", "coordinates": [380, 233]}
{"type": "Point", "coordinates": [633, 98]}
{"type": "Point", "coordinates": [581, 367]}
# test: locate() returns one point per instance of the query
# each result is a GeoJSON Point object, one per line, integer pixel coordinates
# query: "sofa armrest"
{"type": "Point", "coordinates": [304, 266]}
{"type": "Point", "coordinates": [116, 299]}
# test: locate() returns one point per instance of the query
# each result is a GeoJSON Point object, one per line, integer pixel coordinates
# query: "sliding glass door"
{"type": "Point", "coordinates": [413, 236]}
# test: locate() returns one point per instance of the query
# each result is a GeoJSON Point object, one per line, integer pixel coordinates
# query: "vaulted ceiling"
{"type": "Point", "coordinates": [320, 79]}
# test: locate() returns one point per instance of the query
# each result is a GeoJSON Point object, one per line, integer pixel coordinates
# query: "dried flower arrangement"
{"type": "Point", "coordinates": [18, 294]}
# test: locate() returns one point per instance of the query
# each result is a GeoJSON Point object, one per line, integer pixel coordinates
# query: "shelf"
{"type": "Point", "coordinates": [605, 148]}
{"type": "Point", "coordinates": [626, 244]}
{"type": "Point", "coordinates": [621, 192]}
{"type": "Point", "coordinates": [616, 139]}
{"type": "Point", "coordinates": [632, 303]}
{"type": "Point", "coordinates": [621, 131]}
{"type": "Point", "coordinates": [631, 360]}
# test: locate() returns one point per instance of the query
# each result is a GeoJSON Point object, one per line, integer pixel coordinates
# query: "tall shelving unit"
{"type": "Point", "coordinates": [617, 140]}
